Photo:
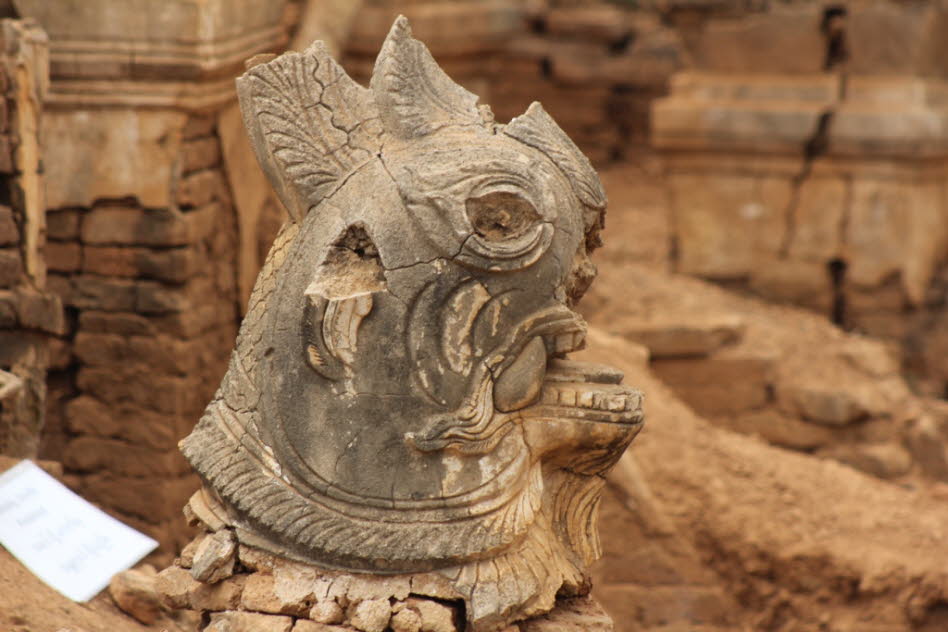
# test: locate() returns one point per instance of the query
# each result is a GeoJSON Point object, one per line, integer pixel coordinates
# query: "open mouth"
{"type": "Point", "coordinates": [583, 390]}
{"type": "Point", "coordinates": [542, 382]}
{"type": "Point", "coordinates": [590, 392]}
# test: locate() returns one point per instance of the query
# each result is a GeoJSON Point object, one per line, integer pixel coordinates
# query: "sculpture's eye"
{"type": "Point", "coordinates": [501, 215]}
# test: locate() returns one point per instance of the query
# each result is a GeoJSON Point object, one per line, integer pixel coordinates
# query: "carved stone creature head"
{"type": "Point", "coordinates": [399, 398]}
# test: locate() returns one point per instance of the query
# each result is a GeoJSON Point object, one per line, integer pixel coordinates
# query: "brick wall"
{"type": "Point", "coordinates": [151, 300]}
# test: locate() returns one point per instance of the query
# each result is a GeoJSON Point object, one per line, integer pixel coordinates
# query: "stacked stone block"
{"type": "Point", "coordinates": [239, 588]}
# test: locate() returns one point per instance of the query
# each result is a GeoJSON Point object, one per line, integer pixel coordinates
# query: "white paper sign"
{"type": "Point", "coordinates": [69, 544]}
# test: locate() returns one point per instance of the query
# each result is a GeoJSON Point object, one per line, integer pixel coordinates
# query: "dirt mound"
{"type": "Point", "coordinates": [798, 542]}
{"type": "Point", "coordinates": [782, 373]}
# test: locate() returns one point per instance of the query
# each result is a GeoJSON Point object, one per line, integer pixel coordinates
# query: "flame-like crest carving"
{"type": "Point", "coordinates": [399, 399]}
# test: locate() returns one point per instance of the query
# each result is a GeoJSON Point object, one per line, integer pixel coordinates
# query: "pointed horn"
{"type": "Point", "coordinates": [414, 96]}
{"type": "Point", "coordinates": [537, 129]}
{"type": "Point", "coordinates": [309, 123]}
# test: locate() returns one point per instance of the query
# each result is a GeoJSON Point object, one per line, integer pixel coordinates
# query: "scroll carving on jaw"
{"type": "Point", "coordinates": [400, 398]}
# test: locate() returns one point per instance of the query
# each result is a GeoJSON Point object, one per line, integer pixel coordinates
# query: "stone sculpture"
{"type": "Point", "coordinates": [399, 402]}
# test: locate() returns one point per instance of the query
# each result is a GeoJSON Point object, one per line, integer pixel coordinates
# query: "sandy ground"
{"type": "Point", "coordinates": [29, 605]}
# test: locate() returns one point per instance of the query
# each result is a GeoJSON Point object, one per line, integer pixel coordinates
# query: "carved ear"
{"type": "Point", "coordinates": [414, 96]}
{"type": "Point", "coordinates": [537, 129]}
{"type": "Point", "coordinates": [309, 123]}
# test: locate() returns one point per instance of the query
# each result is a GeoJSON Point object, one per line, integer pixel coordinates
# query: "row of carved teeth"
{"type": "Point", "coordinates": [569, 341]}
{"type": "Point", "coordinates": [575, 395]}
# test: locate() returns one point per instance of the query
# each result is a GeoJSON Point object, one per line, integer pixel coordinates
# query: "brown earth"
{"type": "Point", "coordinates": [29, 605]}
{"type": "Point", "coordinates": [797, 542]}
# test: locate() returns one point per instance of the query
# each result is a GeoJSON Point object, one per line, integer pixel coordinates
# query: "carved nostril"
{"type": "Point", "coordinates": [520, 383]}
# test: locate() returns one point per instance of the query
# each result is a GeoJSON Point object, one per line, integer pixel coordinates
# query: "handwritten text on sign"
{"type": "Point", "coordinates": [65, 541]}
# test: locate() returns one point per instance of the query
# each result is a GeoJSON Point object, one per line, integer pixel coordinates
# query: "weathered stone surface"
{"type": "Point", "coordinates": [200, 153]}
{"type": "Point", "coordinates": [200, 189]}
{"type": "Point", "coordinates": [11, 267]}
{"type": "Point", "coordinates": [139, 497]}
{"type": "Point", "coordinates": [780, 429]}
{"type": "Point", "coordinates": [131, 225]}
{"type": "Point", "coordinates": [176, 264]}
{"type": "Point", "coordinates": [8, 303]}
{"type": "Point", "coordinates": [90, 454]}
{"type": "Point", "coordinates": [426, 277]}
{"type": "Point", "coordinates": [214, 557]}
{"type": "Point", "coordinates": [62, 225]}
{"type": "Point", "coordinates": [224, 595]}
{"type": "Point", "coordinates": [75, 180]}
{"type": "Point", "coordinates": [886, 460]}
{"type": "Point", "coordinates": [9, 233]}
{"type": "Point", "coordinates": [688, 338]}
{"type": "Point", "coordinates": [371, 615]}
{"type": "Point", "coordinates": [729, 382]}
{"type": "Point", "coordinates": [39, 310]}
{"type": "Point", "coordinates": [134, 592]}
{"type": "Point", "coordinates": [406, 620]}
{"type": "Point", "coordinates": [86, 415]}
{"type": "Point", "coordinates": [260, 595]}
{"type": "Point", "coordinates": [802, 283]}
{"type": "Point", "coordinates": [826, 403]}
{"type": "Point", "coordinates": [571, 615]}
{"type": "Point", "coordinates": [248, 622]}
{"type": "Point", "coordinates": [63, 256]}
{"type": "Point", "coordinates": [302, 625]}
{"type": "Point", "coordinates": [433, 616]}
{"type": "Point", "coordinates": [787, 40]}
{"type": "Point", "coordinates": [327, 611]}
{"type": "Point", "coordinates": [253, 196]}
{"type": "Point", "coordinates": [174, 586]}
{"type": "Point", "coordinates": [727, 223]}
{"type": "Point", "coordinates": [926, 442]}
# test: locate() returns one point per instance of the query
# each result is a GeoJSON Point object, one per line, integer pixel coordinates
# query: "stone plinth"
{"type": "Point", "coordinates": [242, 588]}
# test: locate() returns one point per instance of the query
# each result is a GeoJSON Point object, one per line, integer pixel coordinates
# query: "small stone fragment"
{"type": "Point", "coordinates": [261, 594]}
{"type": "Point", "coordinates": [173, 585]}
{"type": "Point", "coordinates": [224, 595]}
{"type": "Point", "coordinates": [214, 557]}
{"type": "Point", "coordinates": [407, 620]}
{"type": "Point", "coordinates": [186, 560]}
{"type": "Point", "coordinates": [571, 615]}
{"type": "Point", "coordinates": [371, 615]}
{"type": "Point", "coordinates": [327, 611]}
{"type": "Point", "coordinates": [134, 592]}
{"type": "Point", "coordinates": [248, 622]}
{"type": "Point", "coordinates": [435, 617]}
{"type": "Point", "coordinates": [311, 626]}
{"type": "Point", "coordinates": [256, 559]}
